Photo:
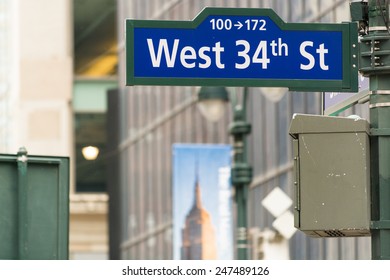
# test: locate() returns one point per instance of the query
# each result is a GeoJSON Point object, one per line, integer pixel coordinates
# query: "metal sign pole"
{"type": "Point", "coordinates": [22, 204]}
{"type": "Point", "coordinates": [241, 172]}
{"type": "Point", "coordinates": [375, 60]}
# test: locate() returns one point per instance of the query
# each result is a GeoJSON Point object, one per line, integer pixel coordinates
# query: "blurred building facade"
{"type": "Point", "coordinates": [36, 77]}
{"type": "Point", "coordinates": [95, 57]}
{"type": "Point", "coordinates": [57, 63]}
{"type": "Point", "coordinates": [150, 119]}
{"type": "Point", "coordinates": [53, 99]}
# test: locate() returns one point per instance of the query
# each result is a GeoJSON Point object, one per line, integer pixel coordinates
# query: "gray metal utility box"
{"type": "Point", "coordinates": [331, 175]}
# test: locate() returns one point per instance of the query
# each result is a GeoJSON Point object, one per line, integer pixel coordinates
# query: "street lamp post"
{"type": "Point", "coordinates": [241, 171]}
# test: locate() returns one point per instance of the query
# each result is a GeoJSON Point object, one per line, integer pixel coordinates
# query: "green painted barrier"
{"type": "Point", "coordinates": [34, 207]}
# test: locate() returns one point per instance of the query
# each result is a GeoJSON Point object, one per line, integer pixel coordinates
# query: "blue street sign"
{"type": "Point", "coordinates": [242, 47]}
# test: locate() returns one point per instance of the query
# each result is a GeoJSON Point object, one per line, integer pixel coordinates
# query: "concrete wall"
{"type": "Point", "coordinates": [44, 76]}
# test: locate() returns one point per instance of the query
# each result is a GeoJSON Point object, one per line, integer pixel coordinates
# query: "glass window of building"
{"type": "Point", "coordinates": [89, 103]}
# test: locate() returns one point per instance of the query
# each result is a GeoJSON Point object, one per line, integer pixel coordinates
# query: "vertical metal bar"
{"type": "Point", "coordinates": [244, 112]}
{"type": "Point", "coordinates": [242, 246]}
{"type": "Point", "coordinates": [243, 193]}
{"type": "Point", "coordinates": [241, 171]}
{"type": "Point", "coordinates": [22, 204]}
{"type": "Point", "coordinates": [380, 119]}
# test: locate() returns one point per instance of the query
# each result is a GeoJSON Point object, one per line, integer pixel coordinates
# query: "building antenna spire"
{"type": "Point", "coordinates": [198, 201]}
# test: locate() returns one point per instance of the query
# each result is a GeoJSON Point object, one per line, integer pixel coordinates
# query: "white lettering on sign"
{"type": "Point", "coordinates": [163, 45]}
{"type": "Point", "coordinates": [261, 56]}
{"type": "Point", "coordinates": [168, 53]}
{"type": "Point", "coordinates": [207, 60]}
{"type": "Point", "coordinates": [221, 24]}
{"type": "Point", "coordinates": [243, 54]}
{"type": "Point", "coordinates": [311, 60]}
{"type": "Point", "coordinates": [254, 24]}
{"type": "Point", "coordinates": [218, 50]}
{"type": "Point", "coordinates": [322, 51]}
{"type": "Point", "coordinates": [188, 55]}
{"type": "Point", "coordinates": [278, 48]}
{"type": "Point", "coordinates": [227, 24]}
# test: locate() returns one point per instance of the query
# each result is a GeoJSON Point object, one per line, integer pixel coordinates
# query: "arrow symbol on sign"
{"type": "Point", "coordinates": [239, 24]}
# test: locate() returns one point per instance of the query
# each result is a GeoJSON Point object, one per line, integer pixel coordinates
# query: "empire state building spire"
{"type": "Point", "coordinates": [198, 235]}
{"type": "Point", "coordinates": [198, 199]}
